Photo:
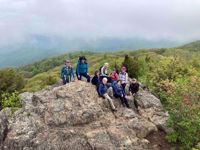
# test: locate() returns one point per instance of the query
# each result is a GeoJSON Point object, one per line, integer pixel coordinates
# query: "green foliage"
{"type": "Point", "coordinates": [132, 66]}
{"type": "Point", "coordinates": [10, 80]}
{"type": "Point", "coordinates": [176, 82]}
{"type": "Point", "coordinates": [11, 100]}
{"type": "Point", "coordinates": [171, 74]}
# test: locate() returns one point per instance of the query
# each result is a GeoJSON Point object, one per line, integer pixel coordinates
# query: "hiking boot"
{"type": "Point", "coordinates": [128, 107]}
{"type": "Point", "coordinates": [114, 110]}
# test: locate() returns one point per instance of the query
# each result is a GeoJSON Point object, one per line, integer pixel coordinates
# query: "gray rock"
{"type": "Point", "coordinates": [3, 126]}
{"type": "Point", "coordinates": [73, 117]}
{"type": "Point", "coordinates": [147, 100]}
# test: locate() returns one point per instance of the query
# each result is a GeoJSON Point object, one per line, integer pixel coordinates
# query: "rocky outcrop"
{"type": "Point", "coordinates": [74, 117]}
{"type": "Point", "coordinates": [3, 126]}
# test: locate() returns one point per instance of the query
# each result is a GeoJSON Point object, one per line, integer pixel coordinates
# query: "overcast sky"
{"type": "Point", "coordinates": [151, 19]}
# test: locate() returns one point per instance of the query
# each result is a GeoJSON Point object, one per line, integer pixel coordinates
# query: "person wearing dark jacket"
{"type": "Point", "coordinates": [103, 92]}
{"type": "Point", "coordinates": [95, 79]}
{"type": "Point", "coordinates": [133, 89]}
{"type": "Point", "coordinates": [82, 69]}
{"type": "Point", "coordinates": [119, 93]}
{"type": "Point", "coordinates": [67, 72]}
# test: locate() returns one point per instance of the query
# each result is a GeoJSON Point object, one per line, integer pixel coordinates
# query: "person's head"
{"type": "Point", "coordinates": [82, 59]}
{"type": "Point", "coordinates": [96, 73]}
{"type": "Point", "coordinates": [114, 70]}
{"type": "Point", "coordinates": [133, 80]}
{"type": "Point", "coordinates": [105, 80]}
{"type": "Point", "coordinates": [67, 63]}
{"type": "Point", "coordinates": [106, 65]}
{"type": "Point", "coordinates": [123, 69]}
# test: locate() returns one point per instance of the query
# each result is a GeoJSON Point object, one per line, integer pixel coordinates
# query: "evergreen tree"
{"type": "Point", "coordinates": [132, 65]}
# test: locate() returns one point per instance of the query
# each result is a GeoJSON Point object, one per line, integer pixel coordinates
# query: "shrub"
{"type": "Point", "coordinates": [11, 81]}
{"type": "Point", "coordinates": [132, 66]}
{"type": "Point", "coordinates": [11, 100]}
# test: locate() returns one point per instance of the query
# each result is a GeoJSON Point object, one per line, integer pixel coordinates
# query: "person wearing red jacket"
{"type": "Point", "coordinates": [113, 75]}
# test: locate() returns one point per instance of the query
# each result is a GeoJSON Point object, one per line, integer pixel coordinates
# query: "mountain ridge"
{"type": "Point", "coordinates": [40, 47]}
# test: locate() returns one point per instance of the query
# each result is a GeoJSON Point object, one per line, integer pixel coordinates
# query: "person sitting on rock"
{"type": "Point", "coordinates": [67, 72]}
{"type": "Point", "coordinates": [133, 89]}
{"type": "Point", "coordinates": [123, 77]}
{"type": "Point", "coordinates": [103, 92]}
{"type": "Point", "coordinates": [95, 79]}
{"type": "Point", "coordinates": [82, 69]}
{"type": "Point", "coordinates": [104, 71]}
{"type": "Point", "coordinates": [119, 93]}
{"type": "Point", "coordinates": [114, 76]}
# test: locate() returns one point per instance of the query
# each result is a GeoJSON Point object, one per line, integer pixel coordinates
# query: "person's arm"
{"type": "Point", "coordinates": [87, 68]}
{"type": "Point", "coordinates": [127, 77]}
{"type": "Point", "coordinates": [62, 72]}
{"type": "Point", "coordinates": [77, 69]}
{"type": "Point", "coordinates": [117, 76]}
{"type": "Point", "coordinates": [72, 73]}
{"type": "Point", "coordinates": [120, 76]}
{"type": "Point", "coordinates": [102, 72]}
{"type": "Point", "coordinates": [100, 89]}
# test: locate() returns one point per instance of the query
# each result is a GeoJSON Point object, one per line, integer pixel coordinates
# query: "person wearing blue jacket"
{"type": "Point", "coordinates": [82, 69]}
{"type": "Point", "coordinates": [119, 93]}
{"type": "Point", "coordinates": [103, 92]}
{"type": "Point", "coordinates": [67, 73]}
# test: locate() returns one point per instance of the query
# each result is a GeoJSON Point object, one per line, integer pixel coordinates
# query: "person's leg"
{"type": "Point", "coordinates": [110, 91]}
{"type": "Point", "coordinates": [126, 102]}
{"type": "Point", "coordinates": [124, 87]}
{"type": "Point", "coordinates": [110, 101]}
{"type": "Point", "coordinates": [64, 81]}
{"type": "Point", "coordinates": [86, 76]}
{"type": "Point", "coordinates": [79, 76]}
{"type": "Point", "coordinates": [122, 100]}
{"type": "Point", "coordinates": [135, 102]}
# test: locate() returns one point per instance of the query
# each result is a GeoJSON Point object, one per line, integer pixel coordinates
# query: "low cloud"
{"type": "Point", "coordinates": [155, 19]}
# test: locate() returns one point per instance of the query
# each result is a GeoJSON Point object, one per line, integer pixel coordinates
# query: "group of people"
{"type": "Point", "coordinates": [104, 82]}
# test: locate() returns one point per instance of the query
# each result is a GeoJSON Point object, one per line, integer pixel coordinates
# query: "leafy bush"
{"type": "Point", "coordinates": [11, 81]}
{"type": "Point", "coordinates": [11, 100]}
{"type": "Point", "coordinates": [175, 83]}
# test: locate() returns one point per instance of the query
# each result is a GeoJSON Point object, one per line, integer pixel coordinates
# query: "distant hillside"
{"type": "Point", "coordinates": [194, 46]}
{"type": "Point", "coordinates": [39, 47]}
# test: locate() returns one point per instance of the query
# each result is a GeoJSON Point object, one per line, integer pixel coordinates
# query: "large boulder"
{"type": "Point", "coordinates": [74, 117]}
{"type": "Point", "coordinates": [147, 100]}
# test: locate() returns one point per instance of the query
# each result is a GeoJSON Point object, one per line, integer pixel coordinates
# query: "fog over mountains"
{"type": "Point", "coordinates": [35, 29]}
{"type": "Point", "coordinates": [38, 47]}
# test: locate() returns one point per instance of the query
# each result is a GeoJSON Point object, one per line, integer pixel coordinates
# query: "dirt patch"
{"type": "Point", "coordinates": [158, 142]}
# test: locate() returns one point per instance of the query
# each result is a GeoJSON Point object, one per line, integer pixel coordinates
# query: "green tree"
{"type": "Point", "coordinates": [132, 66]}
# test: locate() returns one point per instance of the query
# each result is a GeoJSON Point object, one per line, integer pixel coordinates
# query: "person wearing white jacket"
{"type": "Point", "coordinates": [123, 77]}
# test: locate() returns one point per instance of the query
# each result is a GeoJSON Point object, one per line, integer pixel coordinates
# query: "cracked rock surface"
{"type": "Point", "coordinates": [74, 117]}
